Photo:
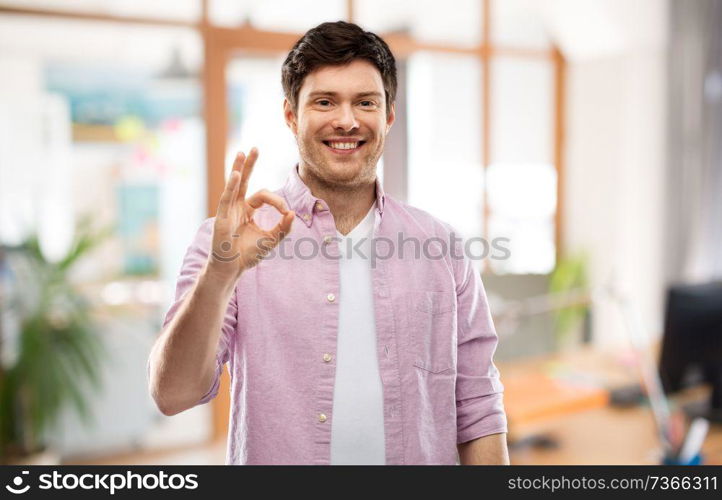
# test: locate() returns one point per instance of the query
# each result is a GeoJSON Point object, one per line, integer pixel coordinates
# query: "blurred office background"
{"type": "Point", "coordinates": [583, 131]}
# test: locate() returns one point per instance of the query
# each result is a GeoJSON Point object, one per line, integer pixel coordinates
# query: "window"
{"type": "Point", "coordinates": [521, 178]}
{"type": "Point", "coordinates": [444, 130]}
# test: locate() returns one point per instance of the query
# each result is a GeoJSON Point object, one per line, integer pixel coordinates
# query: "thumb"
{"type": "Point", "coordinates": [282, 228]}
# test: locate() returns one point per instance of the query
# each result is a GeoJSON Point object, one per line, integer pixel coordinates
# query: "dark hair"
{"type": "Point", "coordinates": [337, 44]}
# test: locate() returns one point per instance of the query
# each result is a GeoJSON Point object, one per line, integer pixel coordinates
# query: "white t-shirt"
{"type": "Point", "coordinates": [357, 430]}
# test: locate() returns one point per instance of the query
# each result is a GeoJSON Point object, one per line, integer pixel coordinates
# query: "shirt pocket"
{"type": "Point", "coordinates": [432, 326]}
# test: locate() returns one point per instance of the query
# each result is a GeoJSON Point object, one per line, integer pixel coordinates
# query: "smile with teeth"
{"type": "Point", "coordinates": [344, 145]}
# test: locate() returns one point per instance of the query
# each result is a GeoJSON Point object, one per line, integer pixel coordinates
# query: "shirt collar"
{"type": "Point", "coordinates": [301, 201]}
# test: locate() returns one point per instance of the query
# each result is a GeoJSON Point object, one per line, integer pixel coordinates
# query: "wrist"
{"type": "Point", "coordinates": [221, 276]}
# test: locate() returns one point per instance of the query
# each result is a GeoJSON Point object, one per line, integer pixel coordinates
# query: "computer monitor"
{"type": "Point", "coordinates": [692, 344]}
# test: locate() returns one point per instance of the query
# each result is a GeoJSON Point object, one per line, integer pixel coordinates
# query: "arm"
{"type": "Point", "coordinates": [479, 391]}
{"type": "Point", "coordinates": [487, 450]}
{"type": "Point", "coordinates": [184, 361]}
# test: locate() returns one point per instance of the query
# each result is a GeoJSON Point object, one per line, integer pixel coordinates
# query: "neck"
{"type": "Point", "coordinates": [347, 205]}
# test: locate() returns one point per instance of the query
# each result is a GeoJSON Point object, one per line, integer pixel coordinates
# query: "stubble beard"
{"type": "Point", "coordinates": [317, 165]}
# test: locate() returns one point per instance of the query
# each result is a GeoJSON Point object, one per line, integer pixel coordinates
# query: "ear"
{"type": "Point", "coordinates": [391, 117]}
{"type": "Point", "coordinates": [290, 116]}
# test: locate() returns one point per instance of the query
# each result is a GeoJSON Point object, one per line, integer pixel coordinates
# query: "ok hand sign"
{"type": "Point", "coordinates": [238, 242]}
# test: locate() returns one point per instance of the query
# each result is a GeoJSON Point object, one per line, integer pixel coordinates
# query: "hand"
{"type": "Point", "coordinates": [238, 243]}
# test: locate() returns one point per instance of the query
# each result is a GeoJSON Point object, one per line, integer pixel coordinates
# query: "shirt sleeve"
{"type": "Point", "coordinates": [194, 260]}
{"type": "Point", "coordinates": [479, 391]}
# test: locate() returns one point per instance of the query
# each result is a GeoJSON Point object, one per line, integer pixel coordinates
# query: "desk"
{"type": "Point", "coordinates": [600, 434]}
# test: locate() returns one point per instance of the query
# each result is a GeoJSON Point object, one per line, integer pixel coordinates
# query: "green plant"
{"type": "Point", "coordinates": [58, 352]}
{"type": "Point", "coordinates": [569, 276]}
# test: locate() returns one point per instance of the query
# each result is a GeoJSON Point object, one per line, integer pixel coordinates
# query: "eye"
{"type": "Point", "coordinates": [367, 104]}
{"type": "Point", "coordinates": [323, 102]}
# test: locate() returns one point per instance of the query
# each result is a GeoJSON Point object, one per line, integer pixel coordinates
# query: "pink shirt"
{"type": "Point", "coordinates": [435, 338]}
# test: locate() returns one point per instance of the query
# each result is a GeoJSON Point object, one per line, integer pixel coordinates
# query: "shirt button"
{"type": "Point", "coordinates": [319, 206]}
{"type": "Point", "coordinates": [327, 239]}
{"type": "Point", "coordinates": [306, 217]}
{"type": "Point", "coordinates": [330, 297]}
{"type": "Point", "coordinates": [322, 417]}
{"type": "Point", "coordinates": [327, 357]}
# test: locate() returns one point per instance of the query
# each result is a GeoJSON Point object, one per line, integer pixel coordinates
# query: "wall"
{"type": "Point", "coordinates": [616, 127]}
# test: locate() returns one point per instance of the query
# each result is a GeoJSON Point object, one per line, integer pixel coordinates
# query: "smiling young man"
{"type": "Point", "coordinates": [334, 358]}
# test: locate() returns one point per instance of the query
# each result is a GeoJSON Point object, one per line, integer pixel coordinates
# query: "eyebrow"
{"type": "Point", "coordinates": [319, 93]}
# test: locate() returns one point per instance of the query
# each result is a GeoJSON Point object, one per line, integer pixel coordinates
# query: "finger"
{"type": "Point", "coordinates": [228, 194]}
{"type": "Point", "coordinates": [264, 196]}
{"type": "Point", "coordinates": [238, 162]}
{"type": "Point", "coordinates": [230, 190]}
{"type": "Point", "coordinates": [281, 229]}
{"type": "Point", "coordinates": [246, 171]}
{"type": "Point", "coordinates": [238, 167]}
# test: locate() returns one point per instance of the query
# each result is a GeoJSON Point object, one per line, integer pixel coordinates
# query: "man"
{"type": "Point", "coordinates": [334, 358]}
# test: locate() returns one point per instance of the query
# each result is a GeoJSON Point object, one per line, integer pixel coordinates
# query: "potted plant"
{"type": "Point", "coordinates": [570, 282]}
{"type": "Point", "coordinates": [56, 353]}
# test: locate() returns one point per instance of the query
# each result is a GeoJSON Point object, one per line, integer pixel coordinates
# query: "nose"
{"type": "Point", "coordinates": [344, 118]}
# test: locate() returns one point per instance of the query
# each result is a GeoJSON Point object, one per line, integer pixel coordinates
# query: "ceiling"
{"type": "Point", "coordinates": [583, 29]}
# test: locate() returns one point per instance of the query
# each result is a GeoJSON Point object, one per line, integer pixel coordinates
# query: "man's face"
{"type": "Point", "coordinates": [341, 123]}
